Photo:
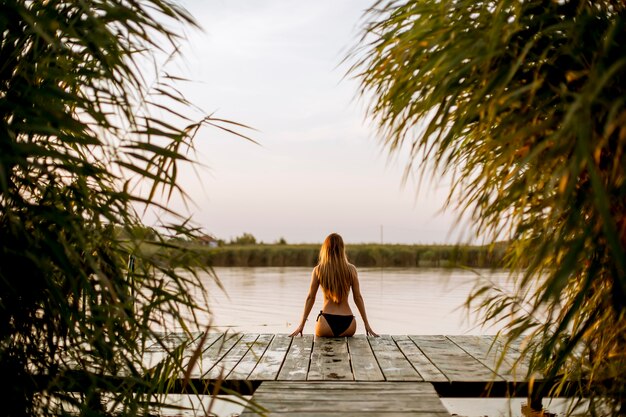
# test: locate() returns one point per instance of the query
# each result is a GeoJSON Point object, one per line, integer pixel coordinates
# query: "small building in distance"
{"type": "Point", "coordinates": [207, 240]}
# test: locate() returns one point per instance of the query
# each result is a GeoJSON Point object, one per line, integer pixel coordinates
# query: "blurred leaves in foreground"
{"type": "Point", "coordinates": [90, 131]}
{"type": "Point", "coordinates": [522, 104]}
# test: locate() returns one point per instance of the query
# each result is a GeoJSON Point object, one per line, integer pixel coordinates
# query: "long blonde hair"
{"type": "Point", "coordinates": [333, 271]}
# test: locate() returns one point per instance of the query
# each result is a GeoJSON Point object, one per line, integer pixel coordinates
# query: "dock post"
{"type": "Point", "coordinates": [536, 402]}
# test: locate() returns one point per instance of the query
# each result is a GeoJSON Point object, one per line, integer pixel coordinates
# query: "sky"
{"type": "Point", "coordinates": [319, 166]}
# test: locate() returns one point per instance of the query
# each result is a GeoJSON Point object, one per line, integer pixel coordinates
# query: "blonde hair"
{"type": "Point", "coordinates": [333, 270]}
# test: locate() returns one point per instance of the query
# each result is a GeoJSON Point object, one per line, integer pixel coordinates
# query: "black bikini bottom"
{"type": "Point", "coordinates": [337, 323]}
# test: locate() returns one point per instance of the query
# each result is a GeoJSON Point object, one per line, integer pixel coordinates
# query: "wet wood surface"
{"type": "Point", "coordinates": [409, 358]}
{"type": "Point", "coordinates": [347, 399]}
{"type": "Point", "coordinates": [387, 376]}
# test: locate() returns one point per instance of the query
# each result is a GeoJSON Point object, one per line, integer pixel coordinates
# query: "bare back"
{"type": "Point", "coordinates": [338, 281]}
{"type": "Point", "coordinates": [341, 308]}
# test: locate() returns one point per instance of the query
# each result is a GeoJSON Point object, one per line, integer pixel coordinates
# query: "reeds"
{"type": "Point", "coordinates": [361, 255]}
{"type": "Point", "coordinates": [521, 104]}
{"type": "Point", "coordinates": [91, 133]}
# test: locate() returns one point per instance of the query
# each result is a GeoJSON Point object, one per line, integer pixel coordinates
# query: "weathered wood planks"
{"type": "Point", "coordinates": [269, 364]}
{"type": "Point", "coordinates": [269, 357]}
{"type": "Point", "coordinates": [331, 398]}
{"type": "Point", "coordinates": [512, 354]}
{"type": "Point", "coordinates": [296, 364]}
{"type": "Point", "coordinates": [484, 350]}
{"type": "Point", "coordinates": [232, 357]}
{"type": "Point", "coordinates": [330, 360]}
{"type": "Point", "coordinates": [392, 362]}
{"type": "Point", "coordinates": [364, 364]}
{"type": "Point", "coordinates": [427, 370]}
{"type": "Point", "coordinates": [156, 349]}
{"type": "Point", "coordinates": [214, 354]}
{"type": "Point", "coordinates": [250, 360]}
{"type": "Point", "coordinates": [456, 364]}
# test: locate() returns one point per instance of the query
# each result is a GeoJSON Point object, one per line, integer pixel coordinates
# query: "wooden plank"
{"type": "Point", "coordinates": [388, 399]}
{"type": "Point", "coordinates": [349, 414]}
{"type": "Point", "coordinates": [364, 364]}
{"type": "Point", "coordinates": [489, 354]}
{"type": "Point", "coordinates": [193, 347]}
{"type": "Point", "coordinates": [211, 356]}
{"type": "Point", "coordinates": [363, 386]}
{"type": "Point", "coordinates": [517, 345]}
{"type": "Point", "coordinates": [251, 359]}
{"type": "Point", "coordinates": [170, 340]}
{"type": "Point", "coordinates": [210, 339]}
{"type": "Point", "coordinates": [157, 351]}
{"type": "Point", "coordinates": [340, 395]}
{"type": "Point", "coordinates": [335, 413]}
{"type": "Point", "coordinates": [272, 360]}
{"type": "Point", "coordinates": [350, 401]}
{"type": "Point", "coordinates": [389, 358]}
{"type": "Point", "coordinates": [232, 358]}
{"type": "Point", "coordinates": [296, 365]}
{"type": "Point", "coordinates": [330, 360]}
{"type": "Point", "coordinates": [427, 370]}
{"type": "Point", "coordinates": [331, 387]}
{"type": "Point", "coordinates": [393, 364]}
{"type": "Point", "coordinates": [453, 361]}
{"type": "Point", "coordinates": [512, 355]}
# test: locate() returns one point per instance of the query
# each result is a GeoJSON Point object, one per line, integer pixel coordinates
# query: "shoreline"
{"type": "Point", "coordinates": [361, 255]}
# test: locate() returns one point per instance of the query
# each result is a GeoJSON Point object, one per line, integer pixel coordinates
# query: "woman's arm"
{"type": "Point", "coordinates": [308, 303]}
{"type": "Point", "coordinates": [358, 300]}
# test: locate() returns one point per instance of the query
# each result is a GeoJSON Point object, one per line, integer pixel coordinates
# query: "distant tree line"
{"type": "Point", "coordinates": [362, 255]}
{"type": "Point", "coordinates": [245, 250]}
{"type": "Point", "coordinates": [245, 239]}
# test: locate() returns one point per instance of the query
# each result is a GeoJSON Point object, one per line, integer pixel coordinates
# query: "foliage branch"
{"type": "Point", "coordinates": [89, 134]}
{"type": "Point", "coordinates": [522, 104]}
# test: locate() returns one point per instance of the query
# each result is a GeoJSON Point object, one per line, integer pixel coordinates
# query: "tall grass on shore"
{"type": "Point", "coordinates": [362, 255]}
{"type": "Point", "coordinates": [521, 105]}
{"type": "Point", "coordinates": [89, 135]}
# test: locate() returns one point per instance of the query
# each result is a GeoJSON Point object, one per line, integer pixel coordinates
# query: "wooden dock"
{"type": "Point", "coordinates": [347, 399]}
{"type": "Point", "coordinates": [393, 376]}
{"type": "Point", "coordinates": [370, 376]}
{"type": "Point", "coordinates": [456, 365]}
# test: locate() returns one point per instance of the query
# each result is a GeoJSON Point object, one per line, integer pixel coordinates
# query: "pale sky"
{"type": "Point", "coordinates": [319, 168]}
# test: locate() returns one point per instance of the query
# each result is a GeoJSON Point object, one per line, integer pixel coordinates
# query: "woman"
{"type": "Point", "coordinates": [336, 276]}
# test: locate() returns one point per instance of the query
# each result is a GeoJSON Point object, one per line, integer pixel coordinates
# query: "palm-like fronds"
{"type": "Point", "coordinates": [522, 104]}
{"type": "Point", "coordinates": [81, 131]}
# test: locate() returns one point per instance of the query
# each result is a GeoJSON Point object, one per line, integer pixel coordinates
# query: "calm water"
{"type": "Point", "coordinates": [398, 301]}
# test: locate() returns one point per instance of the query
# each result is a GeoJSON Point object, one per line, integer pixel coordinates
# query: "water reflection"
{"type": "Point", "coordinates": [398, 301]}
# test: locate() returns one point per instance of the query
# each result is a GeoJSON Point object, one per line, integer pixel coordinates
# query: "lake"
{"type": "Point", "coordinates": [397, 300]}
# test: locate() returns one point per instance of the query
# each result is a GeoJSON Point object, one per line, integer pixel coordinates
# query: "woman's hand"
{"type": "Point", "coordinates": [369, 331]}
{"type": "Point", "coordinates": [298, 331]}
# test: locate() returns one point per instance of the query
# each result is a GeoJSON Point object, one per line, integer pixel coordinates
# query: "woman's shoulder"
{"type": "Point", "coordinates": [352, 268]}
{"type": "Point", "coordinates": [316, 271]}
